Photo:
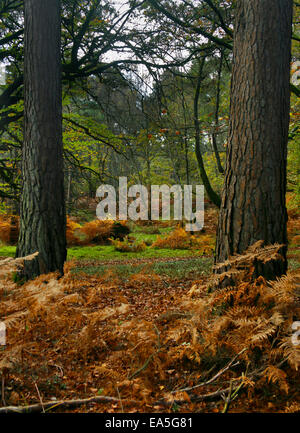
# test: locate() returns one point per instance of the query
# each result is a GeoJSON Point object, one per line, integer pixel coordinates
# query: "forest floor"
{"type": "Point", "coordinates": [147, 334]}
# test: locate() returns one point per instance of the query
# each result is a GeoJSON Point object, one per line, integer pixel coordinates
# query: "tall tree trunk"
{"type": "Point", "coordinates": [186, 157]}
{"type": "Point", "coordinates": [253, 201]}
{"type": "Point", "coordinates": [42, 226]}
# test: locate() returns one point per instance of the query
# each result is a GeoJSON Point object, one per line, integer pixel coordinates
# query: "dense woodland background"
{"type": "Point", "coordinates": [129, 314]}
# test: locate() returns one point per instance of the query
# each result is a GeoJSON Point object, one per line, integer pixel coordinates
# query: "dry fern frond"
{"type": "Point", "coordinates": [291, 352]}
{"type": "Point", "coordinates": [251, 263]}
{"type": "Point", "coordinates": [9, 265]}
{"type": "Point", "coordinates": [292, 407]}
{"type": "Point", "coordinates": [91, 320]}
{"type": "Point", "coordinates": [276, 375]}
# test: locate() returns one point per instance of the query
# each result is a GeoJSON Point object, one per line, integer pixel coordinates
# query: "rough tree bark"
{"type": "Point", "coordinates": [43, 221]}
{"type": "Point", "coordinates": [253, 200]}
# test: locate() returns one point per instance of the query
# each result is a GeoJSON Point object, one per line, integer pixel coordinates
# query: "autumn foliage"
{"type": "Point", "coordinates": [156, 346]}
{"type": "Point", "coordinates": [181, 239]}
{"type": "Point", "coordinates": [95, 232]}
{"type": "Point", "coordinates": [128, 245]}
{"type": "Point", "coordinates": [72, 230]}
{"type": "Point", "coordinates": [9, 229]}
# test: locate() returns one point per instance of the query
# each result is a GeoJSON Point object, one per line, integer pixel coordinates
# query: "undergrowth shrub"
{"type": "Point", "coordinates": [97, 231]}
{"type": "Point", "coordinates": [181, 239]}
{"type": "Point", "coordinates": [128, 245]}
{"type": "Point", "coordinates": [101, 232]}
{"type": "Point", "coordinates": [292, 205]}
{"type": "Point", "coordinates": [293, 226]}
{"type": "Point", "coordinates": [9, 229]}
{"type": "Point", "coordinates": [72, 230]}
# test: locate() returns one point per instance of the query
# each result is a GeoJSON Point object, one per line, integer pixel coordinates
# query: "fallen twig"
{"type": "Point", "coordinates": [121, 404]}
{"type": "Point", "coordinates": [197, 398]}
{"type": "Point", "coordinates": [40, 398]}
{"type": "Point", "coordinates": [138, 371]}
{"type": "Point", "coordinates": [61, 404]}
{"type": "Point", "coordinates": [3, 389]}
{"type": "Point", "coordinates": [228, 399]}
{"type": "Point", "coordinates": [208, 382]}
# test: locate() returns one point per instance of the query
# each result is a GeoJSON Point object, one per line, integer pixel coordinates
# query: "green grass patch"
{"type": "Point", "coordinates": [293, 264]}
{"type": "Point", "coordinates": [194, 267]}
{"type": "Point", "coordinates": [181, 269]}
{"type": "Point", "coordinates": [149, 239]}
{"type": "Point", "coordinates": [106, 252]}
{"type": "Point", "coordinates": [149, 230]}
{"type": "Point", "coordinates": [7, 251]}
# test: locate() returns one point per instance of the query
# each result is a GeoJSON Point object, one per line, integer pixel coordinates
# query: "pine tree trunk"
{"type": "Point", "coordinates": [253, 201]}
{"type": "Point", "coordinates": [42, 225]}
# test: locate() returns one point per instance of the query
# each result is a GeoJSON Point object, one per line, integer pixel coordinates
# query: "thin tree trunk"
{"type": "Point", "coordinates": [253, 201]}
{"type": "Point", "coordinates": [185, 139]}
{"type": "Point", "coordinates": [214, 134]}
{"type": "Point", "coordinates": [42, 226]}
{"type": "Point", "coordinates": [213, 196]}
{"type": "Point", "coordinates": [68, 199]}
{"type": "Point", "coordinates": [186, 157]}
